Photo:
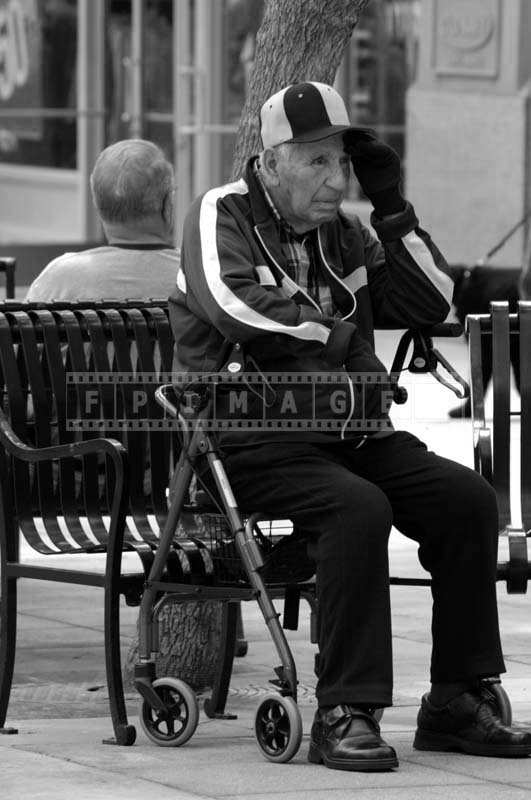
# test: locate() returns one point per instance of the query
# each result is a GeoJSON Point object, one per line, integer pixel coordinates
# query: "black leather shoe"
{"type": "Point", "coordinates": [346, 737]}
{"type": "Point", "coordinates": [468, 723]}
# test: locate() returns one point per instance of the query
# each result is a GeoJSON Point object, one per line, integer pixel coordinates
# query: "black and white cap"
{"type": "Point", "coordinates": [304, 112]}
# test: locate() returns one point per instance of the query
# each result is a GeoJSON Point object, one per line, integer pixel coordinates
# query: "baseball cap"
{"type": "Point", "coordinates": [305, 112]}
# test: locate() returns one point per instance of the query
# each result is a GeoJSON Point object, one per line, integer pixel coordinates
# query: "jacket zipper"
{"type": "Point", "coordinates": [355, 303]}
{"type": "Point", "coordinates": [277, 265]}
{"type": "Point", "coordinates": [352, 403]}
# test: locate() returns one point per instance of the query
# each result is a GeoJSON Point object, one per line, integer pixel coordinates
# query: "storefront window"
{"type": "Point", "coordinates": [117, 62]}
{"type": "Point", "coordinates": [158, 74]}
{"type": "Point", "coordinates": [38, 49]}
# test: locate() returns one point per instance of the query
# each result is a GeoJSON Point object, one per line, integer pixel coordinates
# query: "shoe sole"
{"type": "Point", "coordinates": [426, 740]}
{"type": "Point", "coordinates": [381, 765]}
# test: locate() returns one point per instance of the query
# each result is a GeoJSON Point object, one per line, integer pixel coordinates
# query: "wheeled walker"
{"type": "Point", "coordinates": [230, 559]}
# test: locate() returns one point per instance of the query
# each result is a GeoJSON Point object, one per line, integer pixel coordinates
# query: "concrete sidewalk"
{"type": "Point", "coordinates": [60, 675]}
{"type": "Point", "coordinates": [59, 700]}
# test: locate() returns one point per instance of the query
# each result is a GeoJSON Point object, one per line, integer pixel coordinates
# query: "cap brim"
{"type": "Point", "coordinates": [332, 130]}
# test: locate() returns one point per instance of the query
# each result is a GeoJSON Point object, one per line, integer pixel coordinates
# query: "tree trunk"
{"type": "Point", "coordinates": [189, 638]}
{"type": "Point", "coordinates": [189, 633]}
{"type": "Point", "coordinates": [297, 41]}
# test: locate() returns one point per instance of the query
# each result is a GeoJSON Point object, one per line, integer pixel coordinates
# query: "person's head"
{"type": "Point", "coordinates": [307, 181]}
{"type": "Point", "coordinates": [303, 162]}
{"type": "Point", "coordinates": [132, 187]}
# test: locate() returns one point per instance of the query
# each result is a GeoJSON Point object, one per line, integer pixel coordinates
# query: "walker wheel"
{"type": "Point", "coordinates": [499, 700]}
{"type": "Point", "coordinates": [278, 728]}
{"type": "Point", "coordinates": [178, 722]}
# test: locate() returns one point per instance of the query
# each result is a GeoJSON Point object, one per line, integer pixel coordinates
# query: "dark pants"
{"type": "Point", "coordinates": [347, 499]}
{"type": "Point", "coordinates": [474, 289]}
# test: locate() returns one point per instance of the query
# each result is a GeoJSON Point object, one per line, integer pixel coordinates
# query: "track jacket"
{"type": "Point", "coordinates": [311, 377]}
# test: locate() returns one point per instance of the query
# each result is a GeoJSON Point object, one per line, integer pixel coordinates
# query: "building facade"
{"type": "Point", "coordinates": [76, 75]}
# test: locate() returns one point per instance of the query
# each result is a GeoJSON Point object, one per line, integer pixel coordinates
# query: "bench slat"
{"type": "Point", "coordinates": [65, 490]}
{"type": "Point", "coordinates": [501, 387]}
{"type": "Point", "coordinates": [159, 442]}
{"type": "Point", "coordinates": [525, 405]}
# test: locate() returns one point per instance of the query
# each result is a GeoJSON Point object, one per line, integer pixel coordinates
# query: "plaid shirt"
{"type": "Point", "coordinates": [302, 260]}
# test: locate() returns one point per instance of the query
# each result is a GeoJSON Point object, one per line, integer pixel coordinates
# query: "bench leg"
{"type": "Point", "coordinates": [8, 635]}
{"type": "Point", "coordinates": [242, 645]}
{"type": "Point", "coordinates": [215, 705]}
{"type": "Point", "coordinates": [124, 734]}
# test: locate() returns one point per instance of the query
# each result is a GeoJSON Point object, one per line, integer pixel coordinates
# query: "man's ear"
{"type": "Point", "coordinates": [269, 162]}
{"type": "Point", "coordinates": [168, 209]}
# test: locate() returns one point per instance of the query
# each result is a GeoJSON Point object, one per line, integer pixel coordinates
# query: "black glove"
{"type": "Point", "coordinates": [377, 168]}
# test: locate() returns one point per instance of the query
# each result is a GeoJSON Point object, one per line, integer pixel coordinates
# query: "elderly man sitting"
{"type": "Point", "coordinates": [271, 262]}
{"type": "Point", "coordinates": [133, 188]}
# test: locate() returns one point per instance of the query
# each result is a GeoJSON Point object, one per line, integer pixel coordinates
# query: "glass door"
{"type": "Point", "coordinates": [177, 74]}
{"type": "Point", "coordinates": [140, 70]}
{"type": "Point", "coordinates": [148, 76]}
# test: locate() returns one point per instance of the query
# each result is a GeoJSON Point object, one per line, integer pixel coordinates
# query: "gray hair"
{"type": "Point", "coordinates": [284, 151]}
{"type": "Point", "coordinates": [130, 181]}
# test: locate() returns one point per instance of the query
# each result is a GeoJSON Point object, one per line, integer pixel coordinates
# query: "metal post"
{"type": "Point", "coordinates": [209, 76]}
{"type": "Point", "coordinates": [90, 105]}
{"type": "Point", "coordinates": [182, 75]}
{"type": "Point", "coordinates": [136, 123]}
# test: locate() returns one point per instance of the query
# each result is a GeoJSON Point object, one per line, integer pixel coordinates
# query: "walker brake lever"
{"type": "Point", "coordinates": [461, 391]}
{"type": "Point", "coordinates": [425, 358]}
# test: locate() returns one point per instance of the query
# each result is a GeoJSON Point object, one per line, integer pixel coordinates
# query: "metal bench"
{"type": "Point", "coordinates": [494, 446]}
{"type": "Point", "coordinates": [75, 477]}
{"type": "Point", "coordinates": [85, 464]}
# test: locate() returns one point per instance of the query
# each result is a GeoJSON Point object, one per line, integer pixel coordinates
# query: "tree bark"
{"type": "Point", "coordinates": [189, 633]}
{"type": "Point", "coordinates": [189, 639]}
{"type": "Point", "coordinates": [298, 40]}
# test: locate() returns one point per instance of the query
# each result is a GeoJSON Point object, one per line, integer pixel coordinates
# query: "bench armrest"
{"type": "Point", "coordinates": [111, 447]}
{"type": "Point", "coordinates": [16, 447]}
{"type": "Point", "coordinates": [444, 329]}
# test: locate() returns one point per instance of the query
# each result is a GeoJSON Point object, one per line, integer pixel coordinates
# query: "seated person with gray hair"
{"type": "Point", "coordinates": [271, 262]}
{"type": "Point", "coordinates": [133, 187]}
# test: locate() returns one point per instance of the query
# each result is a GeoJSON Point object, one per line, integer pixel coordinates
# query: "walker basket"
{"type": "Point", "coordinates": [283, 550]}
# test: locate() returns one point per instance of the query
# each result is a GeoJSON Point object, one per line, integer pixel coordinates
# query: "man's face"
{"type": "Point", "coordinates": [312, 182]}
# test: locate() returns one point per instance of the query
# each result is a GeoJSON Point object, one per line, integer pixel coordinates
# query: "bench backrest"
{"type": "Point", "coordinates": [500, 328]}
{"type": "Point", "coordinates": [76, 371]}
